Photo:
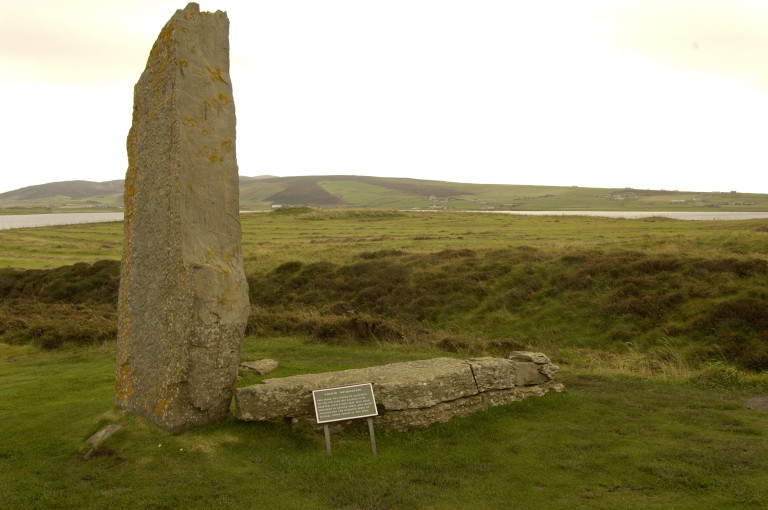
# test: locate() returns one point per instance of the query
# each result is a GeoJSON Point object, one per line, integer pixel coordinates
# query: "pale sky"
{"type": "Point", "coordinates": [649, 94]}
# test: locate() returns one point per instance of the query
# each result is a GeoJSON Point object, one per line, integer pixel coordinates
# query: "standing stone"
{"type": "Point", "coordinates": [183, 299]}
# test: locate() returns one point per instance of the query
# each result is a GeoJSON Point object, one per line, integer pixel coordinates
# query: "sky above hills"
{"type": "Point", "coordinates": [655, 94]}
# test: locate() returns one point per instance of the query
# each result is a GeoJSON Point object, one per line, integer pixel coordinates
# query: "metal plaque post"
{"type": "Point", "coordinates": [373, 435]}
{"type": "Point", "coordinates": [345, 403]}
{"type": "Point", "coordinates": [327, 439]}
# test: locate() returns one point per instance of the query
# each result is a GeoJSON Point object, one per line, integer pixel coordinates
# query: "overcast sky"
{"type": "Point", "coordinates": [651, 94]}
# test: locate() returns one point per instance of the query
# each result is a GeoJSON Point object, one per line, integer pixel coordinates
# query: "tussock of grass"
{"type": "Point", "coordinates": [328, 327]}
{"type": "Point", "coordinates": [78, 283]}
{"type": "Point", "coordinates": [667, 362]}
{"type": "Point", "coordinates": [722, 376]}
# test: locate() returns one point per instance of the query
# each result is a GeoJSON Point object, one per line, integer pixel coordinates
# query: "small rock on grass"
{"type": "Point", "coordinates": [96, 439]}
{"type": "Point", "coordinates": [99, 437]}
{"type": "Point", "coordinates": [758, 402]}
{"type": "Point", "coordinates": [260, 367]}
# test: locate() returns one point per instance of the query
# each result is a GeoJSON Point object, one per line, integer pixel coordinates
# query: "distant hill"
{"type": "Point", "coordinates": [59, 193]}
{"type": "Point", "coordinates": [267, 192]}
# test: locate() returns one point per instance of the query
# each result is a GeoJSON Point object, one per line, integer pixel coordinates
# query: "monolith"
{"type": "Point", "coordinates": [183, 299]}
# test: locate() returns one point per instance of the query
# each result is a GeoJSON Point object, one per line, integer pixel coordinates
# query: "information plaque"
{"type": "Point", "coordinates": [344, 403]}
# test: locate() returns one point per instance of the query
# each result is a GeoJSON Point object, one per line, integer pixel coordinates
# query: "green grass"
{"type": "Point", "coordinates": [374, 192]}
{"type": "Point", "coordinates": [466, 282]}
{"type": "Point", "coordinates": [338, 236]}
{"type": "Point", "coordinates": [23, 210]}
{"type": "Point", "coordinates": [608, 442]}
{"type": "Point", "coordinates": [639, 314]}
{"type": "Point", "coordinates": [49, 247]}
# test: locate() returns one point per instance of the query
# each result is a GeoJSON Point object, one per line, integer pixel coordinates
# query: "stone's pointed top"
{"type": "Point", "coordinates": [192, 7]}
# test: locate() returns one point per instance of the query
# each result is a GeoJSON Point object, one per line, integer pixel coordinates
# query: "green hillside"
{"type": "Point", "coordinates": [348, 191]}
{"type": "Point", "coordinates": [391, 193]}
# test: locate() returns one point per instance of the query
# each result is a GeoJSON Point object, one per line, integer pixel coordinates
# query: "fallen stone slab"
{"type": "Point", "coordinates": [411, 394]}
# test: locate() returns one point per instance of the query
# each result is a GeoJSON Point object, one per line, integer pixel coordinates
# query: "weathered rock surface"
{"type": "Point", "coordinates": [183, 299]}
{"type": "Point", "coordinates": [260, 367]}
{"type": "Point", "coordinates": [535, 357]}
{"type": "Point", "coordinates": [410, 394]}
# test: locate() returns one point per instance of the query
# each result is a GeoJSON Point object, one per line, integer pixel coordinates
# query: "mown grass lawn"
{"type": "Point", "coordinates": [608, 442]}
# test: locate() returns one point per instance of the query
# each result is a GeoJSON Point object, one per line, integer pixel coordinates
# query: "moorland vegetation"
{"type": "Point", "coordinates": [469, 283]}
{"type": "Point", "coordinates": [660, 327]}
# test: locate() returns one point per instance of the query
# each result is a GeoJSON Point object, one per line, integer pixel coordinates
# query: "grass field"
{"type": "Point", "coordinates": [609, 442]}
{"type": "Point", "coordinates": [658, 326]}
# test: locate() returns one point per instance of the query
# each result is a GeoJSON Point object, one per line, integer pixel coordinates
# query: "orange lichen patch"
{"type": "Point", "coordinates": [162, 50]}
{"type": "Point", "coordinates": [161, 58]}
{"type": "Point", "coordinates": [162, 405]}
{"type": "Point", "coordinates": [189, 120]}
{"type": "Point", "coordinates": [204, 132]}
{"type": "Point", "coordinates": [123, 386]}
{"type": "Point", "coordinates": [223, 98]}
{"type": "Point", "coordinates": [214, 158]}
{"type": "Point", "coordinates": [216, 75]}
{"type": "Point", "coordinates": [227, 145]}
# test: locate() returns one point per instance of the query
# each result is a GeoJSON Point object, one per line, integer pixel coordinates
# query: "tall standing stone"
{"type": "Point", "coordinates": [183, 299]}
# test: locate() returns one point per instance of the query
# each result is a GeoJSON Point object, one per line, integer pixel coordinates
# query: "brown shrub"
{"type": "Point", "coordinates": [51, 325]}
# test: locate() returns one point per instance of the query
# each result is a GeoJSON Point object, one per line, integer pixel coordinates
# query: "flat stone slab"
{"type": "Point", "coordinates": [408, 394]}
